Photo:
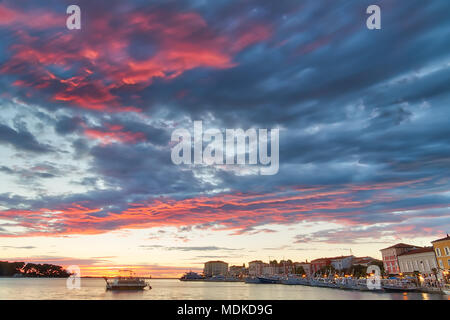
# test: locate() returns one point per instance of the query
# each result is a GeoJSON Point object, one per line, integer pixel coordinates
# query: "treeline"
{"type": "Point", "coordinates": [31, 270]}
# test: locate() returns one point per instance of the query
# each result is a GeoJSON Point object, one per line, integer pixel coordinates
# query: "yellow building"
{"type": "Point", "coordinates": [442, 251]}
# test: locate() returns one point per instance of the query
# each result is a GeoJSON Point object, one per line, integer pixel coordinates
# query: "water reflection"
{"type": "Point", "coordinates": [23, 288]}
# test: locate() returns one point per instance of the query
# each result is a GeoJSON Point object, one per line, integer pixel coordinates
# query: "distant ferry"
{"type": "Point", "coordinates": [130, 282]}
{"type": "Point", "coordinates": [192, 276]}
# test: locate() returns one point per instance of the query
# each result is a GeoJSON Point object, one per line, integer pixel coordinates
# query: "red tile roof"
{"type": "Point", "coordinates": [421, 250]}
{"type": "Point", "coordinates": [401, 245]}
{"type": "Point", "coordinates": [443, 239]}
{"type": "Point", "coordinates": [332, 258]}
{"type": "Point", "coordinates": [341, 257]}
{"type": "Point", "coordinates": [320, 260]}
{"type": "Point", "coordinates": [364, 259]}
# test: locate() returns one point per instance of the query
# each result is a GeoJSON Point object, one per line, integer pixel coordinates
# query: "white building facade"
{"type": "Point", "coordinates": [422, 260]}
{"type": "Point", "coordinates": [256, 268]}
{"type": "Point", "coordinates": [342, 263]}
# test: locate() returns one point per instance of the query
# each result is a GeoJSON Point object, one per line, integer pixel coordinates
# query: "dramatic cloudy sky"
{"type": "Point", "coordinates": [87, 116]}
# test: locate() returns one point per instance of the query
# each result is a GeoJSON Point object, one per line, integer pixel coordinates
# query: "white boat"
{"type": "Point", "coordinates": [130, 282]}
{"type": "Point", "coordinates": [361, 285]}
{"type": "Point", "coordinates": [291, 280]}
{"type": "Point", "coordinates": [222, 278]}
{"type": "Point", "coordinates": [192, 276]}
{"type": "Point", "coordinates": [446, 289]}
{"type": "Point", "coordinates": [399, 286]}
{"type": "Point", "coordinates": [324, 282]}
{"type": "Point", "coordinates": [347, 283]}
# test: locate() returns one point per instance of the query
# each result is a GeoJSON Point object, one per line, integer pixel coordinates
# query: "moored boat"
{"type": "Point", "coordinates": [446, 289]}
{"type": "Point", "coordinates": [130, 282]}
{"type": "Point", "coordinates": [222, 278]}
{"type": "Point", "coordinates": [346, 283]}
{"type": "Point", "coordinates": [399, 286]}
{"type": "Point", "coordinates": [252, 280]}
{"type": "Point", "coordinates": [269, 280]}
{"type": "Point", "coordinates": [361, 285]}
{"type": "Point", "coordinates": [192, 276]}
{"type": "Point", "coordinates": [324, 282]}
{"type": "Point", "coordinates": [292, 280]}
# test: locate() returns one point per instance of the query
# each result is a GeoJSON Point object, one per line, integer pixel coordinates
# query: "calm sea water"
{"type": "Point", "coordinates": [92, 289]}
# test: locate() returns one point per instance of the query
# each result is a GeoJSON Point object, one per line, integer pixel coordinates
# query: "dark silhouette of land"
{"type": "Point", "coordinates": [32, 270]}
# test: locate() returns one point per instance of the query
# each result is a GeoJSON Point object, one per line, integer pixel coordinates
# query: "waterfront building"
{"type": "Point", "coordinates": [286, 267]}
{"type": "Point", "coordinates": [342, 263]}
{"type": "Point", "coordinates": [338, 263]}
{"type": "Point", "coordinates": [255, 268]}
{"type": "Point", "coordinates": [214, 268]}
{"type": "Point", "coordinates": [442, 250]}
{"type": "Point", "coordinates": [390, 254]}
{"type": "Point", "coordinates": [421, 260]}
{"type": "Point", "coordinates": [318, 264]}
{"type": "Point", "coordinates": [270, 269]}
{"type": "Point", "coordinates": [237, 271]}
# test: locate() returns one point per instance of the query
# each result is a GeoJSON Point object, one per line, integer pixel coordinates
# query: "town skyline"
{"type": "Point", "coordinates": [89, 116]}
{"type": "Point", "coordinates": [161, 271]}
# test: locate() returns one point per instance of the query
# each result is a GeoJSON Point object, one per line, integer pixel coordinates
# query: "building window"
{"type": "Point", "coordinates": [441, 264]}
{"type": "Point", "coordinates": [447, 251]}
{"type": "Point", "coordinates": [438, 252]}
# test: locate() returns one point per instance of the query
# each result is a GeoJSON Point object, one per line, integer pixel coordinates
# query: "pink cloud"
{"type": "Point", "coordinates": [236, 212]}
{"type": "Point", "coordinates": [182, 41]}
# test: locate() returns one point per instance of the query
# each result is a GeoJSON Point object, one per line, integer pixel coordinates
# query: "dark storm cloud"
{"type": "Point", "coordinates": [67, 125]}
{"type": "Point", "coordinates": [270, 84]}
{"type": "Point", "coordinates": [355, 107]}
{"type": "Point", "coordinates": [22, 140]}
{"type": "Point", "coordinates": [143, 169]}
{"type": "Point", "coordinates": [420, 228]}
{"type": "Point", "coordinates": [42, 170]}
{"type": "Point", "coordinates": [80, 147]}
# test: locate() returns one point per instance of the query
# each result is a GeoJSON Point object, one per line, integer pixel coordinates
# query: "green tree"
{"type": "Point", "coordinates": [329, 270]}
{"type": "Point", "coordinates": [300, 270]}
{"type": "Point", "coordinates": [8, 269]}
{"type": "Point", "coordinates": [359, 271]}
